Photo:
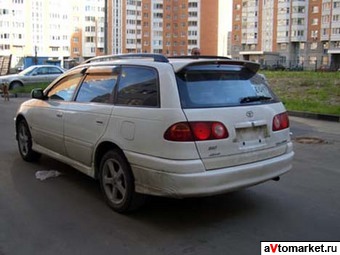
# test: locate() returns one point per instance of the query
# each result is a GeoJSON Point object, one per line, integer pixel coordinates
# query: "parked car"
{"type": "Point", "coordinates": [274, 67]}
{"type": "Point", "coordinates": [296, 68]}
{"type": "Point", "coordinates": [327, 68]}
{"type": "Point", "coordinates": [31, 75]}
{"type": "Point", "coordinates": [278, 67]}
{"type": "Point", "coordinates": [144, 124]}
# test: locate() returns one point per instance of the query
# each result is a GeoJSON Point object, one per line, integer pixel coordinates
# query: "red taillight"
{"type": "Point", "coordinates": [280, 121]}
{"type": "Point", "coordinates": [196, 131]}
{"type": "Point", "coordinates": [201, 130]}
{"type": "Point", "coordinates": [179, 132]}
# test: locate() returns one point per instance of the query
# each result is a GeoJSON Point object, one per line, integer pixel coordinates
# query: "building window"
{"type": "Point", "coordinates": [325, 19]}
{"type": "Point", "coordinates": [315, 9]}
{"type": "Point", "coordinates": [192, 14]}
{"type": "Point", "coordinates": [4, 47]}
{"type": "Point", "coordinates": [312, 60]}
{"type": "Point", "coordinates": [314, 34]}
{"type": "Point", "coordinates": [314, 46]}
{"type": "Point", "coordinates": [325, 31]}
{"type": "Point", "coordinates": [336, 31]}
{"type": "Point", "coordinates": [89, 39]}
{"type": "Point", "coordinates": [192, 42]}
{"type": "Point", "coordinates": [326, 6]}
{"type": "Point", "coordinates": [283, 46]}
{"type": "Point", "coordinates": [192, 23]}
{"type": "Point", "coordinates": [302, 46]}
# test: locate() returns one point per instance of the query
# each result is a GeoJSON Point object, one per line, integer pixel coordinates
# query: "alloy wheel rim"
{"type": "Point", "coordinates": [23, 140]}
{"type": "Point", "coordinates": [114, 181]}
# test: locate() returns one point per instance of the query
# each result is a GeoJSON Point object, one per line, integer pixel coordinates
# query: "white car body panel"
{"type": "Point", "coordinates": [46, 122]}
{"type": "Point", "coordinates": [180, 185]}
{"type": "Point", "coordinates": [147, 127]}
{"type": "Point", "coordinates": [84, 125]}
{"type": "Point", "coordinates": [243, 147]}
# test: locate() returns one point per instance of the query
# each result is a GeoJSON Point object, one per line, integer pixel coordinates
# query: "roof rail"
{"type": "Point", "coordinates": [155, 57]}
{"type": "Point", "coordinates": [201, 57]}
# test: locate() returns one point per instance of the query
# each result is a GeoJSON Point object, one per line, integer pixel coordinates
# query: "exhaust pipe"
{"type": "Point", "coordinates": [276, 179]}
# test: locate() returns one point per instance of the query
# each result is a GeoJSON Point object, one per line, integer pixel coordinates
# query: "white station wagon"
{"type": "Point", "coordinates": [144, 124]}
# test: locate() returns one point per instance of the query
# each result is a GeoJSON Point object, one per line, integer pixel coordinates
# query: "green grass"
{"type": "Point", "coordinates": [316, 92]}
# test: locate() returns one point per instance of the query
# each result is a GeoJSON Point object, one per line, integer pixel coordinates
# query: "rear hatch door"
{"type": "Point", "coordinates": [240, 99]}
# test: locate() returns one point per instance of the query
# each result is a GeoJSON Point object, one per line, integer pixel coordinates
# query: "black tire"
{"type": "Point", "coordinates": [25, 142]}
{"type": "Point", "coordinates": [15, 84]}
{"type": "Point", "coordinates": [117, 183]}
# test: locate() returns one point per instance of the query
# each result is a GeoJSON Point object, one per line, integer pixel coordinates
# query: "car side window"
{"type": "Point", "coordinates": [54, 70]}
{"type": "Point", "coordinates": [42, 71]}
{"type": "Point", "coordinates": [138, 86]}
{"type": "Point", "coordinates": [97, 88]}
{"type": "Point", "coordinates": [65, 88]}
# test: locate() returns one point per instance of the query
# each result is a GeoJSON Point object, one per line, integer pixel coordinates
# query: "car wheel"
{"type": "Point", "coordinates": [15, 84]}
{"type": "Point", "coordinates": [117, 183]}
{"type": "Point", "coordinates": [25, 142]}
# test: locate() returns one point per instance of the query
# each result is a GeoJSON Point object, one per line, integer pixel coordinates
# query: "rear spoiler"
{"type": "Point", "coordinates": [251, 66]}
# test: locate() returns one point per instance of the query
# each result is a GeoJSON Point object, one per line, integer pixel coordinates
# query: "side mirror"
{"type": "Point", "coordinates": [38, 94]}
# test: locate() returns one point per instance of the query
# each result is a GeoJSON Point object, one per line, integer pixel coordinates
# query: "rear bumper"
{"type": "Point", "coordinates": [160, 183]}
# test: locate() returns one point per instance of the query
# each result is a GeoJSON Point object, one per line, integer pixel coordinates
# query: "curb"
{"type": "Point", "coordinates": [22, 94]}
{"type": "Point", "coordinates": [316, 116]}
{"type": "Point", "coordinates": [11, 95]}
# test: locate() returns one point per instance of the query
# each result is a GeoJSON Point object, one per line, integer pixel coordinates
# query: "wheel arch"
{"type": "Point", "coordinates": [15, 81]}
{"type": "Point", "coordinates": [102, 148]}
{"type": "Point", "coordinates": [18, 118]}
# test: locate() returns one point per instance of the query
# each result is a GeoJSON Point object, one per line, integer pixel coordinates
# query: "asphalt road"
{"type": "Point", "coordinates": [67, 215]}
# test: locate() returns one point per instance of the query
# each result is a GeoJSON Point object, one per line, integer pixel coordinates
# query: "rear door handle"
{"type": "Point", "coordinates": [59, 114]}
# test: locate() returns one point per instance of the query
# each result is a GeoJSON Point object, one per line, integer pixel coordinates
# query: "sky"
{"type": "Point", "coordinates": [225, 25]}
{"type": "Point", "coordinates": [229, 4]}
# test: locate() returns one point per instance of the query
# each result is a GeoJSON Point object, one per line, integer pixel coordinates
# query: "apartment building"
{"type": "Point", "coordinates": [170, 27]}
{"type": "Point", "coordinates": [34, 28]}
{"type": "Point", "coordinates": [88, 23]}
{"type": "Point", "coordinates": [76, 29]}
{"type": "Point", "coordinates": [294, 33]}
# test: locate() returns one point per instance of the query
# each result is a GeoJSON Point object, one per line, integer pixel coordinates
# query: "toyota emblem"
{"type": "Point", "coordinates": [250, 114]}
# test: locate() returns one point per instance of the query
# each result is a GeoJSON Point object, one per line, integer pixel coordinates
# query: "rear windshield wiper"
{"type": "Point", "coordinates": [254, 99]}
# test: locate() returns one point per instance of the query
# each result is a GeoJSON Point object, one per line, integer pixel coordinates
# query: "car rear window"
{"type": "Point", "coordinates": [216, 85]}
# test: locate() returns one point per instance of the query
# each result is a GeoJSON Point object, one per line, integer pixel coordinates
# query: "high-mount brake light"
{"type": "Point", "coordinates": [196, 131]}
{"type": "Point", "coordinates": [280, 121]}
